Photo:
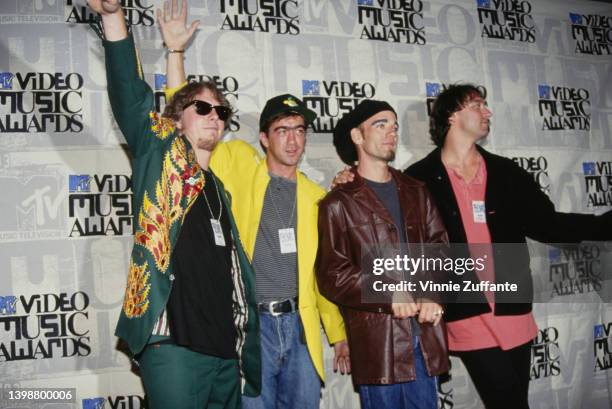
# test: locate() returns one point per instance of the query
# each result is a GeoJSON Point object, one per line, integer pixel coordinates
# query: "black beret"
{"type": "Point", "coordinates": [342, 133]}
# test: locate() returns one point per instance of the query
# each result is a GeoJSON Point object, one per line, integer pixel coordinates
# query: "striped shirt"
{"type": "Point", "coordinates": [275, 272]}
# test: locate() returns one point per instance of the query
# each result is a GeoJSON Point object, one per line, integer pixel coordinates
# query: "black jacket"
{"type": "Point", "coordinates": [516, 208]}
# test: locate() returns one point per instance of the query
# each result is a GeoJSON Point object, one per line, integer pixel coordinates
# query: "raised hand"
{"type": "Point", "coordinates": [173, 25]}
{"type": "Point", "coordinates": [113, 19]}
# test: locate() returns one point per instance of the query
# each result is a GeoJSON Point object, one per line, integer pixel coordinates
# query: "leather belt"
{"type": "Point", "coordinates": [279, 307]}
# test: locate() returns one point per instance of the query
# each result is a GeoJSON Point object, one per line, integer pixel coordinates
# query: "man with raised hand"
{"type": "Point", "coordinates": [276, 213]}
{"type": "Point", "coordinates": [395, 360]}
{"type": "Point", "coordinates": [189, 315]}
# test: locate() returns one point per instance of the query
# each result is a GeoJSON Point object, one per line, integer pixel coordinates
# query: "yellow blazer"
{"type": "Point", "coordinates": [245, 176]}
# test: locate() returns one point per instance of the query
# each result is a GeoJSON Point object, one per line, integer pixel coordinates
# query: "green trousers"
{"type": "Point", "coordinates": [175, 377]}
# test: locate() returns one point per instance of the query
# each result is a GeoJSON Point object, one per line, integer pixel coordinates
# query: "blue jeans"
{"type": "Point", "coordinates": [289, 378]}
{"type": "Point", "coordinates": [422, 393]}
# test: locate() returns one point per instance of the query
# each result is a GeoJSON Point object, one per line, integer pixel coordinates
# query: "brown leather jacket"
{"type": "Point", "coordinates": [350, 216]}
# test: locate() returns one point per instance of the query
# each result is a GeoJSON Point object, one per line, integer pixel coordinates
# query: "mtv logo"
{"type": "Point", "coordinates": [554, 255]}
{"type": "Point", "coordinates": [544, 91]}
{"type": "Point", "coordinates": [160, 81]}
{"type": "Point", "coordinates": [26, 217]}
{"type": "Point", "coordinates": [8, 305]}
{"type": "Point", "coordinates": [588, 168]}
{"type": "Point", "coordinates": [575, 18]}
{"type": "Point", "coordinates": [94, 403]}
{"type": "Point", "coordinates": [365, 2]}
{"type": "Point", "coordinates": [78, 183]}
{"type": "Point", "coordinates": [598, 331]}
{"type": "Point", "coordinates": [311, 87]}
{"type": "Point", "coordinates": [6, 80]}
{"type": "Point", "coordinates": [483, 4]}
{"type": "Point", "coordinates": [432, 89]}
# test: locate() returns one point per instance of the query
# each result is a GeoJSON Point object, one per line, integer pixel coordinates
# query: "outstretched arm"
{"type": "Point", "coordinates": [541, 221]}
{"type": "Point", "coordinates": [130, 96]}
{"type": "Point", "coordinates": [176, 35]}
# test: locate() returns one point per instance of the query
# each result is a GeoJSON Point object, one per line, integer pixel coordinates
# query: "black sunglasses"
{"type": "Point", "coordinates": [204, 108]}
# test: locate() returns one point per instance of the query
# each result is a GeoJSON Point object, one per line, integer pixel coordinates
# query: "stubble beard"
{"type": "Point", "coordinates": [386, 157]}
{"type": "Point", "coordinates": [390, 157]}
{"type": "Point", "coordinates": [207, 144]}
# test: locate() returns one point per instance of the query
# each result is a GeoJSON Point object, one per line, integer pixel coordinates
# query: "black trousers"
{"type": "Point", "coordinates": [501, 377]}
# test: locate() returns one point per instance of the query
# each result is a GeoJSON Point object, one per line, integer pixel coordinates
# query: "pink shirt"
{"type": "Point", "coordinates": [485, 330]}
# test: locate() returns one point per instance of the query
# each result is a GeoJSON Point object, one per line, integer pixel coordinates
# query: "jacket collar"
{"type": "Point", "coordinates": [188, 153]}
{"type": "Point", "coordinates": [263, 171]}
{"type": "Point", "coordinates": [439, 184]}
{"type": "Point", "coordinates": [366, 197]}
{"type": "Point", "coordinates": [358, 181]}
{"type": "Point", "coordinates": [435, 168]}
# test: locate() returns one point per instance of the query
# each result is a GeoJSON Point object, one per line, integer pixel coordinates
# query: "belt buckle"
{"type": "Point", "coordinates": [271, 305]}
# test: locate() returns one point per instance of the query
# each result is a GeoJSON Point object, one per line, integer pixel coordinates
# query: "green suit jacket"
{"type": "Point", "coordinates": [166, 180]}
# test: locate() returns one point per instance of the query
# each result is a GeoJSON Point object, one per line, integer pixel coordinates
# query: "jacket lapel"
{"type": "Point", "coordinates": [410, 214]}
{"type": "Point", "coordinates": [367, 199]}
{"type": "Point", "coordinates": [260, 184]}
{"type": "Point", "coordinates": [494, 180]}
{"type": "Point", "coordinates": [440, 187]}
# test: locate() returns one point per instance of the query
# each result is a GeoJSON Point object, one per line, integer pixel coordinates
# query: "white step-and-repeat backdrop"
{"type": "Point", "coordinates": [65, 188]}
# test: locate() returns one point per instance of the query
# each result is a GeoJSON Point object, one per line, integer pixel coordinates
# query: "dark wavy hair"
{"type": "Point", "coordinates": [265, 126]}
{"type": "Point", "coordinates": [449, 101]}
{"type": "Point", "coordinates": [174, 108]}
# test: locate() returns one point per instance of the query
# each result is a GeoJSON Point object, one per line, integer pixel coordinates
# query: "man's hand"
{"type": "Point", "coordinates": [342, 177]}
{"type": "Point", "coordinates": [104, 7]}
{"type": "Point", "coordinates": [173, 25]}
{"type": "Point", "coordinates": [404, 309]}
{"type": "Point", "coordinates": [342, 359]}
{"type": "Point", "coordinates": [113, 19]}
{"type": "Point", "coordinates": [430, 312]}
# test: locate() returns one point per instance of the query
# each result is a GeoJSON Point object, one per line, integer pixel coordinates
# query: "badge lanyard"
{"type": "Point", "coordinates": [216, 223]}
